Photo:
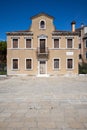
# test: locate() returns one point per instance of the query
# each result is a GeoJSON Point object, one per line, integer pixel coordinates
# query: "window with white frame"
{"type": "Point", "coordinates": [69, 43]}
{"type": "Point", "coordinates": [56, 64]}
{"type": "Point", "coordinates": [69, 63]}
{"type": "Point", "coordinates": [56, 43]}
{"type": "Point", "coordinates": [15, 43]}
{"type": "Point", "coordinates": [28, 43]}
{"type": "Point", "coordinates": [15, 64]}
{"type": "Point", "coordinates": [28, 64]}
{"type": "Point", "coordinates": [42, 24]}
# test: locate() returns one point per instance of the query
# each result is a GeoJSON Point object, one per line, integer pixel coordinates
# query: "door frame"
{"type": "Point", "coordinates": [39, 68]}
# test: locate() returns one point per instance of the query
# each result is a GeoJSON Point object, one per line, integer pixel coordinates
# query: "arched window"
{"type": "Point", "coordinates": [42, 24]}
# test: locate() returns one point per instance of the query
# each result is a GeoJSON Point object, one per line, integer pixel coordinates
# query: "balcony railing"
{"type": "Point", "coordinates": [42, 52]}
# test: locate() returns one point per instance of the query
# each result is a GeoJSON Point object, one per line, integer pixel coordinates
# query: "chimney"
{"type": "Point", "coordinates": [73, 23]}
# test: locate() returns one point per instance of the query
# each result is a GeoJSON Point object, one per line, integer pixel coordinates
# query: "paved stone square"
{"type": "Point", "coordinates": [54, 103]}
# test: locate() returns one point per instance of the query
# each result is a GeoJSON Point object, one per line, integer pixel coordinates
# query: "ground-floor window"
{"type": "Point", "coordinates": [15, 64]}
{"type": "Point", "coordinates": [56, 64]}
{"type": "Point", "coordinates": [29, 64]}
{"type": "Point", "coordinates": [69, 63]}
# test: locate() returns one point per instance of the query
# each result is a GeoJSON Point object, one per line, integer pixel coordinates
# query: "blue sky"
{"type": "Point", "coordinates": [15, 14]}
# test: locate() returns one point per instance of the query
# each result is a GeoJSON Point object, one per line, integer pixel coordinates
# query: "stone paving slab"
{"type": "Point", "coordinates": [55, 103]}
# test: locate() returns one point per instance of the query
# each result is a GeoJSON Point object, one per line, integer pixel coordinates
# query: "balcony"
{"type": "Point", "coordinates": [42, 53]}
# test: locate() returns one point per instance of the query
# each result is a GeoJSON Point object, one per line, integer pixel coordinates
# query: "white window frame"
{"type": "Point", "coordinates": [31, 63]}
{"type": "Point", "coordinates": [53, 43]}
{"type": "Point", "coordinates": [59, 64]}
{"type": "Point", "coordinates": [72, 64]}
{"type": "Point", "coordinates": [31, 42]}
{"type": "Point", "coordinates": [44, 22]}
{"type": "Point", "coordinates": [40, 39]}
{"type": "Point", "coordinates": [72, 43]}
{"type": "Point", "coordinates": [12, 64]}
{"type": "Point", "coordinates": [12, 43]}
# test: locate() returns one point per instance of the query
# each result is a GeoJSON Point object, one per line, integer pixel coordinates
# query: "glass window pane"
{"type": "Point", "coordinates": [15, 63]}
{"type": "Point", "coordinates": [28, 43]}
{"type": "Point", "coordinates": [15, 43]}
{"type": "Point", "coordinates": [69, 64]}
{"type": "Point", "coordinates": [56, 43]}
{"type": "Point", "coordinates": [42, 24]}
{"type": "Point", "coordinates": [28, 63]}
{"type": "Point", "coordinates": [56, 63]}
{"type": "Point", "coordinates": [69, 43]}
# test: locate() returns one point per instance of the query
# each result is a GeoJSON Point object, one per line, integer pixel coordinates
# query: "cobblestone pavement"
{"type": "Point", "coordinates": [55, 103]}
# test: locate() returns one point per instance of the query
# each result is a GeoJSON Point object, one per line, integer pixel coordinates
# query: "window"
{"type": "Point", "coordinates": [15, 64]}
{"type": "Point", "coordinates": [28, 43]}
{"type": "Point", "coordinates": [56, 43]}
{"type": "Point", "coordinates": [56, 63]}
{"type": "Point", "coordinates": [42, 24]}
{"type": "Point", "coordinates": [80, 46]}
{"type": "Point", "coordinates": [69, 43]}
{"type": "Point", "coordinates": [86, 55]}
{"type": "Point", "coordinates": [80, 56]}
{"type": "Point", "coordinates": [28, 64]}
{"type": "Point", "coordinates": [15, 43]}
{"type": "Point", "coordinates": [69, 63]}
{"type": "Point", "coordinates": [86, 44]}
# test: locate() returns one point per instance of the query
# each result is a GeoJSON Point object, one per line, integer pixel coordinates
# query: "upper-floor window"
{"type": "Point", "coordinates": [15, 43]}
{"type": "Point", "coordinates": [28, 43]}
{"type": "Point", "coordinates": [56, 43]}
{"type": "Point", "coordinates": [69, 43]}
{"type": "Point", "coordinates": [42, 24]}
{"type": "Point", "coordinates": [86, 44]}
